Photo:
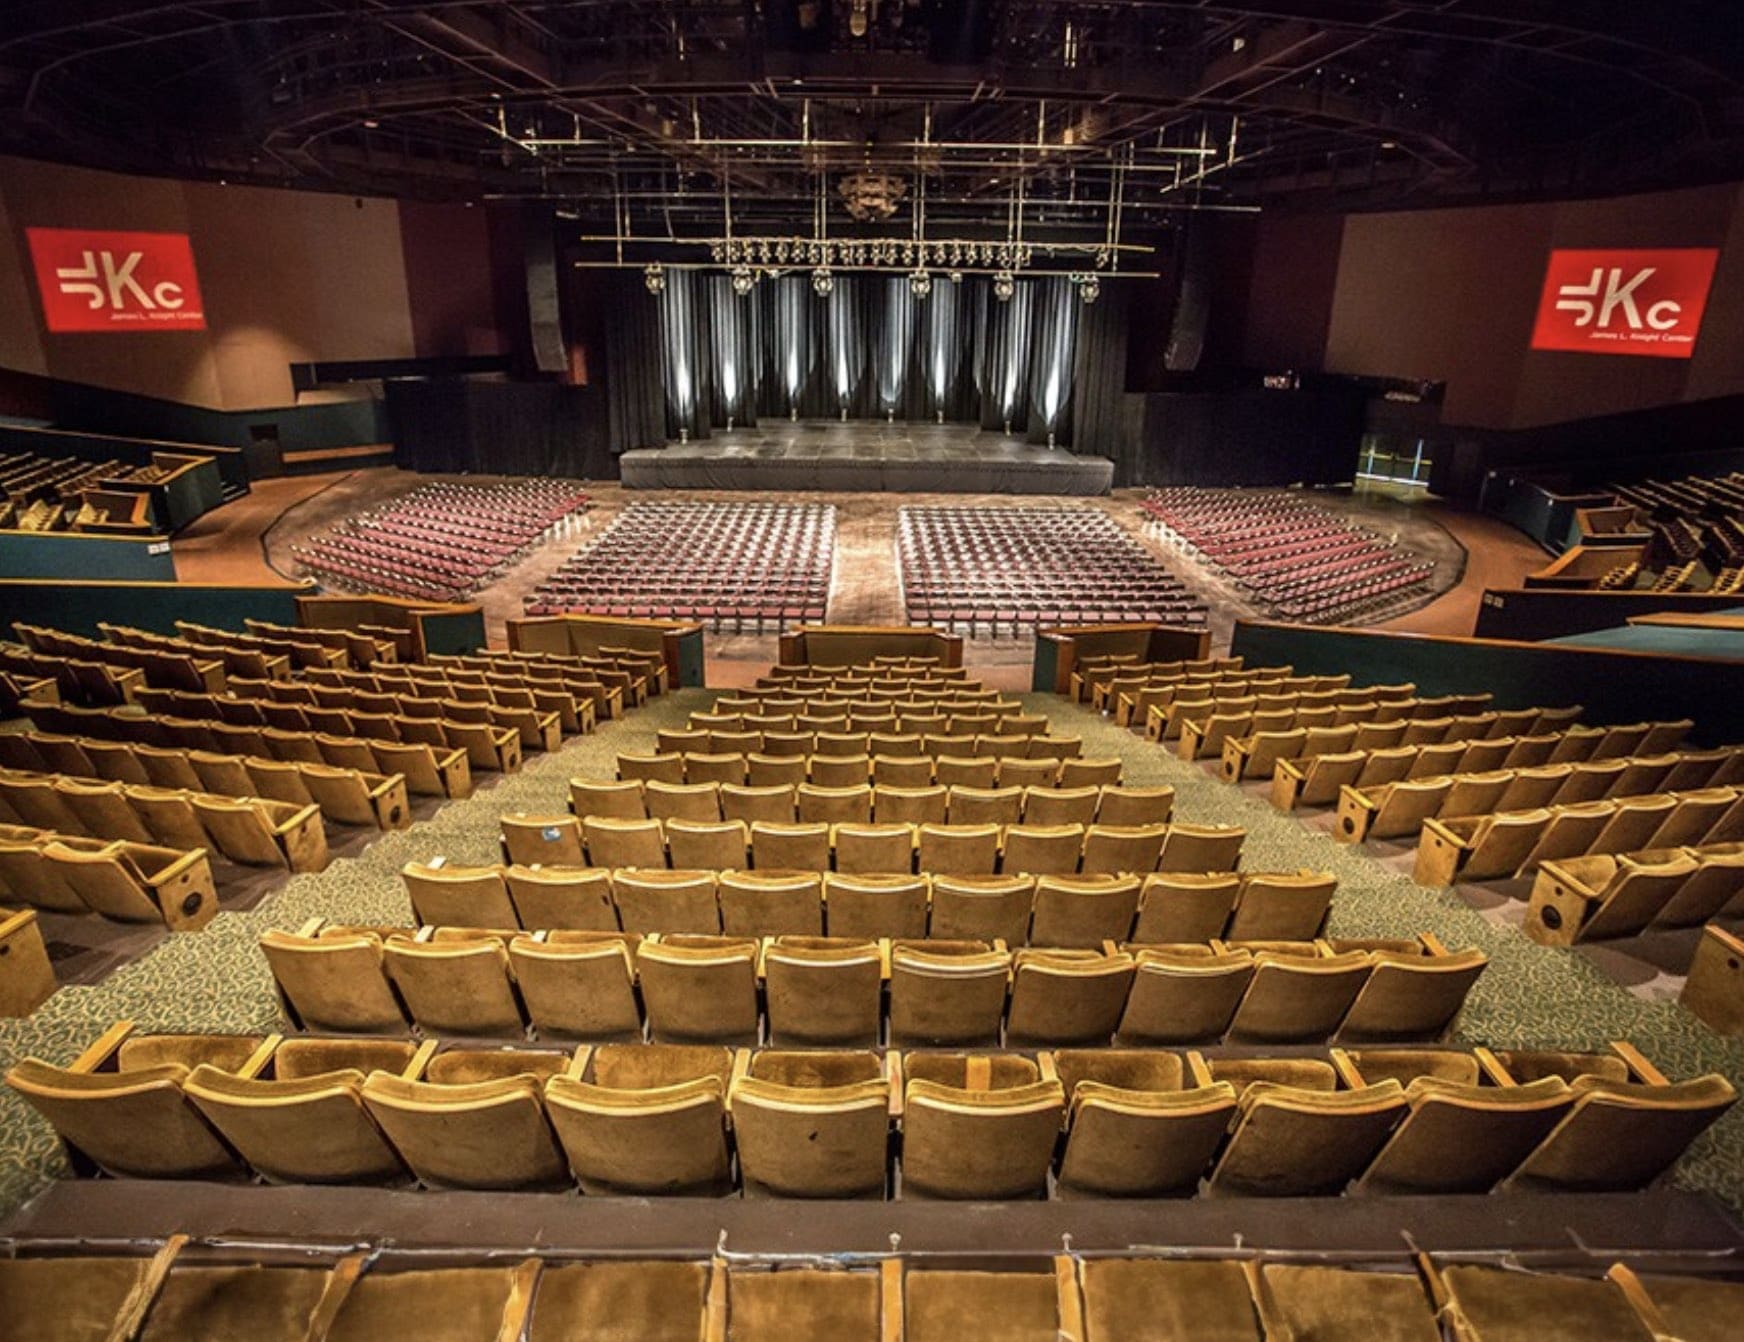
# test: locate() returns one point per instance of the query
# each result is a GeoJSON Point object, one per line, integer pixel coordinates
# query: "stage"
{"type": "Point", "coordinates": [860, 456]}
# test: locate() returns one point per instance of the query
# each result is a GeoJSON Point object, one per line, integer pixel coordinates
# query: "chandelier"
{"type": "Point", "coordinates": [870, 195]}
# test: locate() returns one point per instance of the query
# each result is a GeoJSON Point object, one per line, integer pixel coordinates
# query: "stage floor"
{"type": "Point", "coordinates": [858, 456]}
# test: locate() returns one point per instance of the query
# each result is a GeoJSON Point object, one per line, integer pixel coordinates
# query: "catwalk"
{"type": "Point", "coordinates": [858, 456]}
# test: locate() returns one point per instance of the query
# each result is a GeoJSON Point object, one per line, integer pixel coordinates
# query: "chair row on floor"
{"type": "Point", "coordinates": [346, 796]}
{"type": "Point", "coordinates": [1394, 809]}
{"type": "Point", "coordinates": [178, 1295]}
{"type": "Point", "coordinates": [639, 1119]}
{"type": "Point", "coordinates": [246, 660]}
{"type": "Point", "coordinates": [489, 747]}
{"type": "Point", "coordinates": [429, 771]}
{"type": "Point", "coordinates": [640, 673]}
{"type": "Point", "coordinates": [1303, 766]}
{"type": "Point", "coordinates": [130, 882]}
{"type": "Point", "coordinates": [274, 703]}
{"type": "Point", "coordinates": [1018, 910]}
{"type": "Point", "coordinates": [1511, 843]}
{"type": "Point", "coordinates": [1437, 719]}
{"type": "Point", "coordinates": [78, 682]}
{"type": "Point", "coordinates": [361, 648]}
{"type": "Point", "coordinates": [1089, 673]}
{"type": "Point", "coordinates": [891, 769]}
{"type": "Point", "coordinates": [977, 717]}
{"type": "Point", "coordinates": [253, 831]}
{"type": "Point", "coordinates": [1618, 895]}
{"type": "Point", "coordinates": [1187, 702]}
{"type": "Point", "coordinates": [832, 991]}
{"type": "Point", "coordinates": [861, 803]}
{"type": "Point", "coordinates": [1125, 693]}
{"type": "Point", "coordinates": [16, 689]}
{"type": "Point", "coordinates": [1315, 775]}
{"type": "Point", "coordinates": [845, 744]}
{"type": "Point", "coordinates": [1129, 701]}
{"type": "Point", "coordinates": [891, 847]}
{"type": "Point", "coordinates": [575, 709]}
{"type": "Point", "coordinates": [163, 668]}
{"type": "Point", "coordinates": [623, 680]}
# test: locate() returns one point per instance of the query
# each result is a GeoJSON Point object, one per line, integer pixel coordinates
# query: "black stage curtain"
{"type": "Point", "coordinates": [501, 428]}
{"type": "Point", "coordinates": [635, 394]}
{"type": "Point", "coordinates": [871, 350]}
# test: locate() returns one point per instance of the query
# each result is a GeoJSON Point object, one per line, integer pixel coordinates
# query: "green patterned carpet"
{"type": "Point", "coordinates": [216, 980]}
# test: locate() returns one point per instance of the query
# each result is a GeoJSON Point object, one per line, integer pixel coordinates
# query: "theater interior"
{"type": "Point", "coordinates": [885, 670]}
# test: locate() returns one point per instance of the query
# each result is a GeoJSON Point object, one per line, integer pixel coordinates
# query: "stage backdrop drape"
{"type": "Point", "coordinates": [871, 350]}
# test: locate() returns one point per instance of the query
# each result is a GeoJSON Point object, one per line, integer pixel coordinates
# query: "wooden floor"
{"type": "Point", "coordinates": [251, 541]}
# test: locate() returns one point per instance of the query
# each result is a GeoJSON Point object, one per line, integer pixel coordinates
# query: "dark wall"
{"type": "Point", "coordinates": [1247, 436]}
{"type": "Point", "coordinates": [1292, 280]}
{"type": "Point", "coordinates": [450, 282]}
{"type": "Point", "coordinates": [501, 428]}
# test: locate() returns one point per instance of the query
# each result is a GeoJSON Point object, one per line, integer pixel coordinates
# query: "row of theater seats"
{"type": "Point", "coordinates": [130, 882]}
{"type": "Point", "coordinates": [443, 541]}
{"type": "Point", "coordinates": [988, 570]}
{"type": "Point", "coordinates": [1126, 690]}
{"type": "Point", "coordinates": [575, 707]}
{"type": "Point", "coordinates": [830, 991]}
{"type": "Point", "coordinates": [672, 766]}
{"type": "Point", "coordinates": [1317, 779]}
{"type": "Point", "coordinates": [845, 744]}
{"type": "Point", "coordinates": [640, 673]}
{"type": "Point", "coordinates": [184, 1296]}
{"type": "Point", "coordinates": [1399, 808]}
{"type": "Point", "coordinates": [1199, 726]}
{"type": "Point", "coordinates": [1617, 895]}
{"type": "Point", "coordinates": [652, 1119]}
{"type": "Point", "coordinates": [162, 668]}
{"type": "Point", "coordinates": [491, 745]}
{"type": "Point", "coordinates": [345, 796]}
{"type": "Point", "coordinates": [1089, 676]}
{"type": "Point", "coordinates": [1043, 910]}
{"type": "Point", "coordinates": [250, 659]}
{"type": "Point", "coordinates": [1511, 843]}
{"type": "Point", "coordinates": [429, 771]}
{"type": "Point", "coordinates": [856, 846]}
{"type": "Point", "coordinates": [77, 681]}
{"type": "Point", "coordinates": [1303, 562]}
{"type": "Point", "coordinates": [743, 565]}
{"type": "Point", "coordinates": [859, 802]}
{"type": "Point", "coordinates": [252, 831]}
{"type": "Point", "coordinates": [270, 651]}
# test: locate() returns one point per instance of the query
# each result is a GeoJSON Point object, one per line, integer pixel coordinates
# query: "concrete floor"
{"type": "Point", "coordinates": [251, 541]}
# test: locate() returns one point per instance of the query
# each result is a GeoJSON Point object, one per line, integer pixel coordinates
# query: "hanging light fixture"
{"type": "Point", "coordinates": [1003, 286]}
{"type": "Point", "coordinates": [744, 279]}
{"type": "Point", "coordinates": [655, 278]}
{"type": "Point", "coordinates": [823, 281]}
{"type": "Point", "coordinates": [1089, 288]}
{"type": "Point", "coordinates": [920, 284]}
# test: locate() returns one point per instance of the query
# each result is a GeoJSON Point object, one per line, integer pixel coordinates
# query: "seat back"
{"type": "Point", "coordinates": [947, 993]}
{"type": "Point", "coordinates": [577, 986]}
{"type": "Point", "coordinates": [700, 989]}
{"type": "Point", "coordinates": [663, 1140]}
{"type": "Point", "coordinates": [484, 1135]}
{"type": "Point", "coordinates": [1183, 995]}
{"type": "Point", "coordinates": [455, 986]}
{"type": "Point", "coordinates": [1302, 1143]}
{"type": "Point", "coordinates": [979, 1144]}
{"type": "Point", "coordinates": [333, 983]}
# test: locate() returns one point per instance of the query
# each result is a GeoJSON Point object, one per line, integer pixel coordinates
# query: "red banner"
{"type": "Point", "coordinates": [92, 280]}
{"type": "Point", "coordinates": [1641, 301]}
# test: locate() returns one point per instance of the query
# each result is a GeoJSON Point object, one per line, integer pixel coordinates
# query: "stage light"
{"type": "Point", "coordinates": [858, 18]}
{"type": "Point", "coordinates": [954, 276]}
{"type": "Point", "coordinates": [1089, 288]}
{"type": "Point", "coordinates": [823, 281]}
{"type": "Point", "coordinates": [1003, 286]}
{"type": "Point", "coordinates": [655, 278]}
{"type": "Point", "coordinates": [744, 280]}
{"type": "Point", "coordinates": [920, 284]}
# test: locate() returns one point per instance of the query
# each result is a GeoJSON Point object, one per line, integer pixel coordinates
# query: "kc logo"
{"type": "Point", "coordinates": [1625, 302]}
{"type": "Point", "coordinates": [103, 281]}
